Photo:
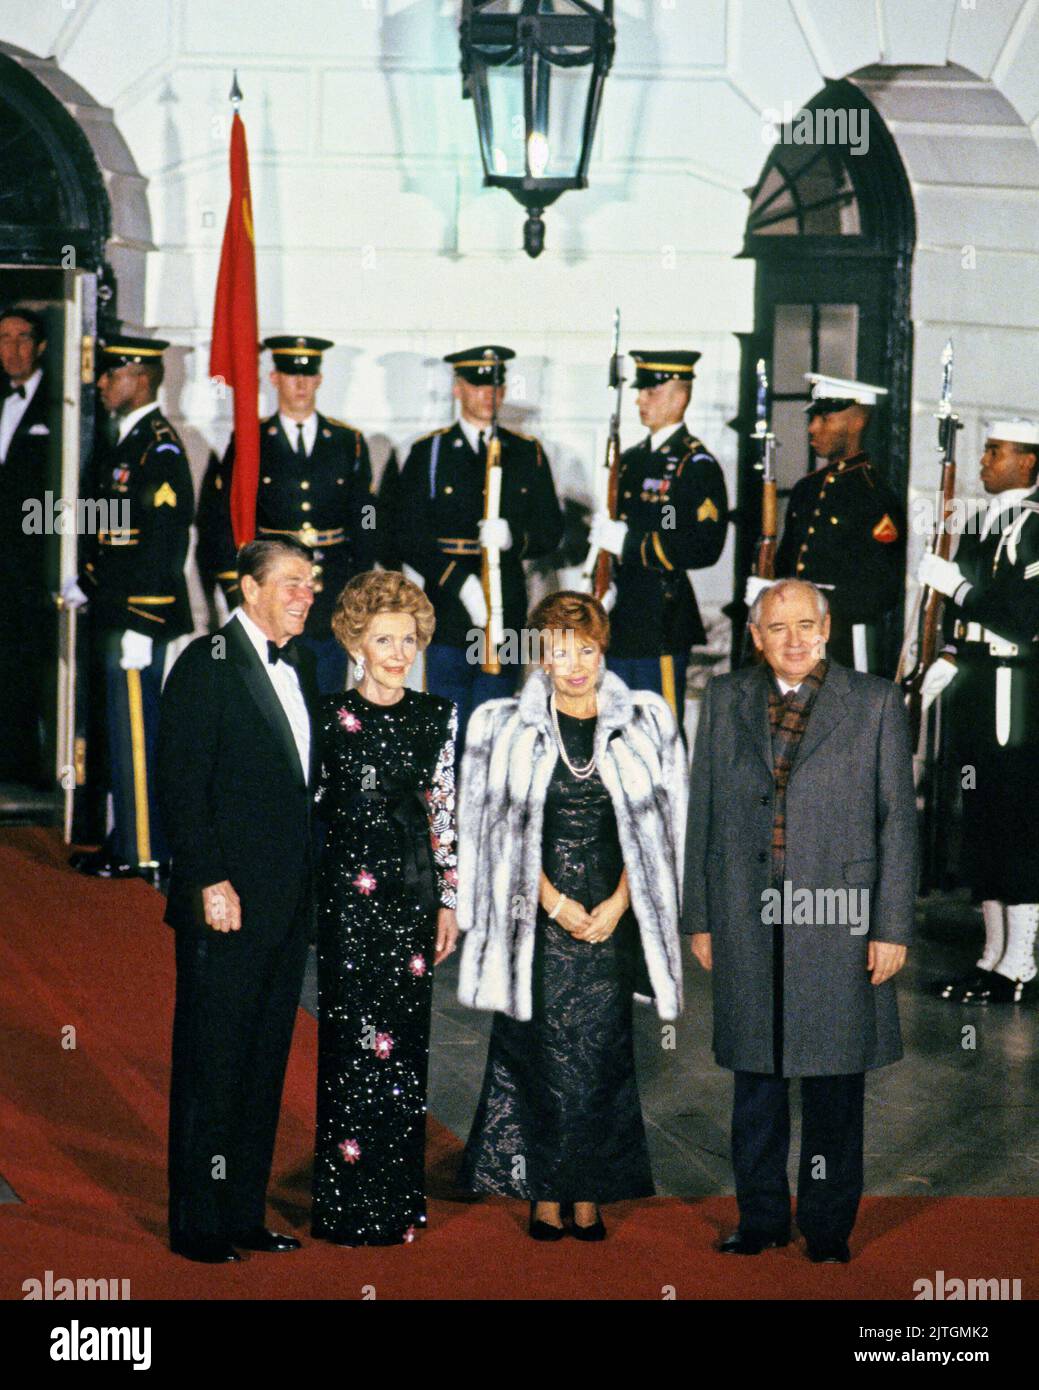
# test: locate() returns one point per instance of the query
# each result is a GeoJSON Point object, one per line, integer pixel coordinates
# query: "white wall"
{"type": "Point", "coordinates": [373, 228]}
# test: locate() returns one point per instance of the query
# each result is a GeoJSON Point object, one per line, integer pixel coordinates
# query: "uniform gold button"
{"type": "Point", "coordinates": [340, 481]}
{"type": "Point", "coordinates": [266, 480]}
{"type": "Point", "coordinates": [316, 571]}
{"type": "Point", "coordinates": [811, 530]}
{"type": "Point", "coordinates": [800, 567]}
{"type": "Point", "coordinates": [833, 519]}
{"type": "Point", "coordinates": [305, 506]}
{"type": "Point", "coordinates": [449, 488]}
{"type": "Point", "coordinates": [304, 483]}
{"type": "Point", "coordinates": [816, 512]}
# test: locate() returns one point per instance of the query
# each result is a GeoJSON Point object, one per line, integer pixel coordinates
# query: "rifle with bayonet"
{"type": "Point", "coordinates": [597, 569]}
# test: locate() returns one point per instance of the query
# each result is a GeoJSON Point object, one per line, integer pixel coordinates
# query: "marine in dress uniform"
{"type": "Point", "coordinates": [28, 467]}
{"type": "Point", "coordinates": [132, 575]}
{"type": "Point", "coordinates": [844, 528]}
{"type": "Point", "coordinates": [315, 484]}
{"type": "Point", "coordinates": [990, 665]}
{"type": "Point", "coordinates": [672, 512]}
{"type": "Point", "coordinates": [439, 526]}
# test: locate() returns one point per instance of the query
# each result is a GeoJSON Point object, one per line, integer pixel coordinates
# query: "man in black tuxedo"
{"type": "Point", "coordinates": [234, 773]}
{"type": "Point", "coordinates": [27, 614]}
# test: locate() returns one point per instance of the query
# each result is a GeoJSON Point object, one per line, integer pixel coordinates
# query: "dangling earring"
{"type": "Point", "coordinates": [359, 669]}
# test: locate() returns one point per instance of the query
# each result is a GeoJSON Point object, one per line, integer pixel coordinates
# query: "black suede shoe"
{"type": "Point", "coordinates": [544, 1230]}
{"type": "Point", "coordinates": [753, 1242]}
{"type": "Point", "coordinates": [205, 1250]}
{"type": "Point", "coordinates": [828, 1252]}
{"type": "Point", "coordinates": [267, 1242]}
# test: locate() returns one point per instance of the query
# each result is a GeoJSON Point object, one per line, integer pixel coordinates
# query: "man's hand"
{"type": "Point", "coordinates": [701, 944]}
{"type": "Point", "coordinates": [755, 586]}
{"type": "Point", "coordinates": [471, 594]}
{"type": "Point", "coordinates": [939, 574]}
{"type": "Point", "coordinates": [223, 908]}
{"type": "Point", "coordinates": [884, 960]}
{"type": "Point", "coordinates": [447, 933]}
{"type": "Point", "coordinates": [607, 534]}
{"type": "Point", "coordinates": [135, 651]}
{"type": "Point", "coordinates": [495, 533]}
{"type": "Point", "coordinates": [938, 675]}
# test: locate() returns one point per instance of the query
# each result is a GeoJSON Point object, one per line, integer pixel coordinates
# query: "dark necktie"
{"type": "Point", "coordinates": [300, 446]}
{"type": "Point", "coordinates": [15, 391]}
{"type": "Point", "coordinates": [289, 654]}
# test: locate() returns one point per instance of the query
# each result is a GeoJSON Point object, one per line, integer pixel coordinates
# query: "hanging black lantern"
{"type": "Point", "coordinates": [535, 71]}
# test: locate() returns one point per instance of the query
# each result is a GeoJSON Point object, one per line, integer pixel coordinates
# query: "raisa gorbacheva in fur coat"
{"type": "Point", "coordinates": [510, 755]}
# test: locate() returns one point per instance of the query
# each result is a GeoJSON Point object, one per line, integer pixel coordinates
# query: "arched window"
{"type": "Point", "coordinates": [832, 230]}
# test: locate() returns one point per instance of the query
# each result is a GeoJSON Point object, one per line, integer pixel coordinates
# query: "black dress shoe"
{"type": "Point", "coordinates": [268, 1242]}
{"type": "Point", "coordinates": [997, 989]}
{"type": "Point", "coordinates": [828, 1252]}
{"type": "Point", "coordinates": [543, 1230]}
{"type": "Point", "coordinates": [101, 864]}
{"type": "Point", "coordinates": [206, 1250]}
{"type": "Point", "coordinates": [958, 991]}
{"type": "Point", "coordinates": [596, 1231]}
{"type": "Point", "coordinates": [753, 1242]}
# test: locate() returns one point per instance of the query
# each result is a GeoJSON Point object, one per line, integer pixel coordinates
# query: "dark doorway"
{"type": "Point", "coordinates": [832, 230]}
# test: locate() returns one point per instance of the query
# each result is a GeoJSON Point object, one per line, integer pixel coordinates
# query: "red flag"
{"type": "Point", "coordinates": [235, 351]}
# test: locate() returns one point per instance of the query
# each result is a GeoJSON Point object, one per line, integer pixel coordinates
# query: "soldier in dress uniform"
{"type": "Point", "coordinates": [990, 664]}
{"type": "Point", "coordinates": [672, 514]}
{"type": "Point", "coordinates": [315, 484]}
{"type": "Point", "coordinates": [844, 528]}
{"type": "Point", "coordinates": [440, 528]}
{"type": "Point", "coordinates": [132, 576]}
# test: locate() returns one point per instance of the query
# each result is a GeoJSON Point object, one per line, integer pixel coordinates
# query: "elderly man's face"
{"type": "Point", "coordinates": [279, 606]}
{"type": "Point", "coordinates": [790, 635]}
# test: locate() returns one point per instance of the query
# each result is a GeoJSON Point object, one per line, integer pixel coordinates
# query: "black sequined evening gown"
{"type": "Point", "coordinates": [559, 1117]}
{"type": "Point", "coordinates": [386, 792]}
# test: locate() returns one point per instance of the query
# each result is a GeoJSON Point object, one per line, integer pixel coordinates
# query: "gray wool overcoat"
{"type": "Point", "coordinates": [850, 825]}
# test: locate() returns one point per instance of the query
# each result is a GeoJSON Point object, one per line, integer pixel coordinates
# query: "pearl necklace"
{"type": "Point", "coordinates": [583, 770]}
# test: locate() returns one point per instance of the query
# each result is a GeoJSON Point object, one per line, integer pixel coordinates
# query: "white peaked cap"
{"type": "Point", "coordinates": [1014, 431]}
{"type": "Point", "coordinates": [838, 388]}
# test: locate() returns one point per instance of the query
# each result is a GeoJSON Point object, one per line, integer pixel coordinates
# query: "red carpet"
{"type": "Point", "coordinates": [82, 1142]}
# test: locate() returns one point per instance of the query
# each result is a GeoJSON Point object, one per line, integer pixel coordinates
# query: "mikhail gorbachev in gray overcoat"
{"type": "Point", "coordinates": [850, 824]}
{"type": "Point", "coordinates": [510, 756]}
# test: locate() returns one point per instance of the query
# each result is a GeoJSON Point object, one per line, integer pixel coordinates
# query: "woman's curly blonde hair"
{"type": "Point", "coordinates": [380, 591]}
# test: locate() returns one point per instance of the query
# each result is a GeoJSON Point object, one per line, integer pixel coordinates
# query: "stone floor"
{"type": "Point", "coordinates": [959, 1115]}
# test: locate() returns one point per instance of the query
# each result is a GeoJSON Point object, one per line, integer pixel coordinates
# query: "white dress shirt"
{"type": "Point", "coordinates": [785, 688]}
{"type": "Point", "coordinates": [658, 436]}
{"type": "Point", "coordinates": [291, 428]}
{"type": "Point", "coordinates": [474, 433]}
{"type": "Point", "coordinates": [127, 422]}
{"type": "Point", "coordinates": [287, 688]}
{"type": "Point", "coordinates": [14, 408]}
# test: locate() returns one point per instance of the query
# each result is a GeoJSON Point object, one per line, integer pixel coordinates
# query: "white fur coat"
{"type": "Point", "coordinates": [510, 756]}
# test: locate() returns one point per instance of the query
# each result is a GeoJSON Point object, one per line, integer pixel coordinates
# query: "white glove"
{"type": "Point", "coordinates": [609, 598]}
{"type": "Point", "coordinates": [136, 651]}
{"type": "Point", "coordinates": [940, 574]}
{"type": "Point", "coordinates": [754, 587]}
{"type": "Point", "coordinates": [72, 595]}
{"type": "Point", "coordinates": [607, 534]}
{"type": "Point", "coordinates": [471, 594]}
{"type": "Point", "coordinates": [938, 675]}
{"type": "Point", "coordinates": [495, 534]}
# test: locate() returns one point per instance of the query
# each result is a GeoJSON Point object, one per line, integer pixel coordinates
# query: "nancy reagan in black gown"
{"type": "Point", "coordinates": [386, 792]}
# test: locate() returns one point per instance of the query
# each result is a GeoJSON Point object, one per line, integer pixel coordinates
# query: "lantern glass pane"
{"type": "Point", "coordinates": [557, 132]}
{"type": "Point", "coordinates": [506, 133]}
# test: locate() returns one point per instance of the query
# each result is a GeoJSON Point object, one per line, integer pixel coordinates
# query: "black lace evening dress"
{"type": "Point", "coordinates": [559, 1117]}
{"type": "Point", "coordinates": [386, 792]}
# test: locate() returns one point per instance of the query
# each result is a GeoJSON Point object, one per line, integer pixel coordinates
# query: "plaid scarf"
{"type": "Point", "coordinates": [788, 719]}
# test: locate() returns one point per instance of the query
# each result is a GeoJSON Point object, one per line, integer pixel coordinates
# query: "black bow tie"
{"type": "Point", "coordinates": [15, 391]}
{"type": "Point", "coordinates": [289, 653]}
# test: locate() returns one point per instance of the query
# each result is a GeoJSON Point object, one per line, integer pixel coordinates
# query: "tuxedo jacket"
{"type": "Point", "coordinates": [30, 469]}
{"type": "Point", "coordinates": [233, 798]}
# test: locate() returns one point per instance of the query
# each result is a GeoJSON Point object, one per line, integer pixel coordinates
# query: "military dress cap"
{"type": "Point", "coordinates": [653, 368]}
{"type": "Point", "coordinates": [297, 356]}
{"type": "Point", "coordinates": [832, 393]}
{"type": "Point", "coordinates": [1014, 431]}
{"type": "Point", "coordinates": [123, 349]}
{"type": "Point", "coordinates": [481, 366]}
